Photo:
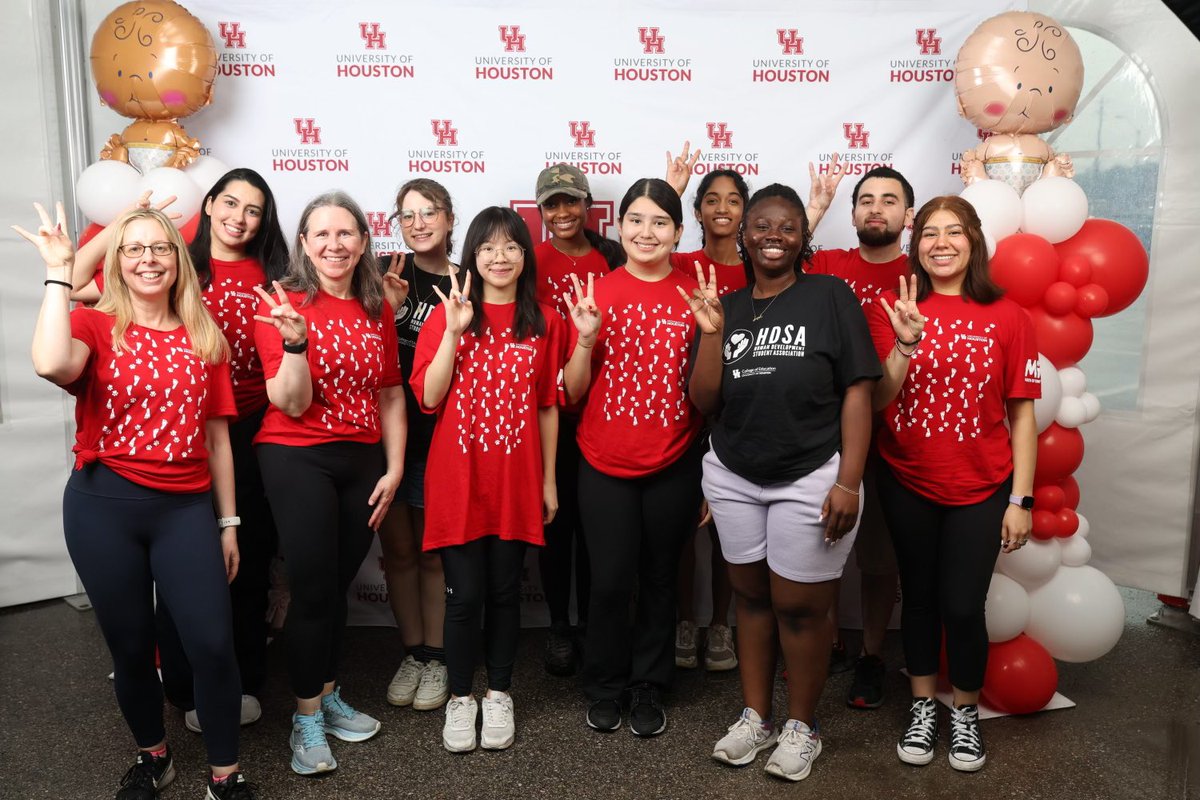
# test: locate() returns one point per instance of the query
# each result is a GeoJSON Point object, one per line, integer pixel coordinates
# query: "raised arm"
{"type": "Point", "coordinates": [679, 168]}
{"type": "Point", "coordinates": [823, 190]}
{"type": "Point", "coordinates": [459, 313]}
{"type": "Point", "coordinates": [586, 316]}
{"type": "Point", "coordinates": [290, 390]}
{"type": "Point", "coordinates": [909, 325]}
{"type": "Point", "coordinates": [704, 387]}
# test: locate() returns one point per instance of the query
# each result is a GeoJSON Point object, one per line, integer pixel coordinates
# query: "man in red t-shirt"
{"type": "Point", "coordinates": [882, 207]}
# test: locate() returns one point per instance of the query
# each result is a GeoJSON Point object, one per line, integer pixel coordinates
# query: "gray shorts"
{"type": "Point", "coordinates": [778, 523]}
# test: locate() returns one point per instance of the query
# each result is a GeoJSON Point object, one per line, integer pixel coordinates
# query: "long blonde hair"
{"type": "Point", "coordinates": [208, 343]}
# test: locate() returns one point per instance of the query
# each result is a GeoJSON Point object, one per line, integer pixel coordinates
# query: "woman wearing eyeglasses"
{"type": "Point", "coordinates": [487, 363]}
{"type": "Point", "coordinates": [328, 349]}
{"type": "Point", "coordinates": [416, 587]}
{"type": "Point", "coordinates": [150, 370]}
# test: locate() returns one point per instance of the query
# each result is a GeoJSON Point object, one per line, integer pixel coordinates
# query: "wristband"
{"type": "Point", "coordinates": [901, 352]}
{"type": "Point", "coordinates": [1024, 501]}
{"type": "Point", "coordinates": [228, 522]}
{"type": "Point", "coordinates": [846, 489]}
{"type": "Point", "coordinates": [912, 343]}
{"type": "Point", "coordinates": [49, 281]}
{"type": "Point", "coordinates": [297, 348]}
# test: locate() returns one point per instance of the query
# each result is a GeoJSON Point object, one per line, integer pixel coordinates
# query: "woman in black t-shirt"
{"type": "Point", "coordinates": [788, 364]}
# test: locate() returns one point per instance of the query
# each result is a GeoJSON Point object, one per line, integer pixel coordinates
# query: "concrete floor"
{"type": "Point", "coordinates": [1135, 732]}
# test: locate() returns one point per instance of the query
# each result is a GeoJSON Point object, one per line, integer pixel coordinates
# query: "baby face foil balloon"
{"type": "Point", "coordinates": [1018, 72]}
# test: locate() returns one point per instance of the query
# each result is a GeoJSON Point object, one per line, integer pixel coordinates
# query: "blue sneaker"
{"type": "Point", "coordinates": [342, 721]}
{"type": "Point", "coordinates": [310, 749]}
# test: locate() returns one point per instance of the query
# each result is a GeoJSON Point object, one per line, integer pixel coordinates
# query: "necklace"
{"type": "Point", "coordinates": [755, 314]}
{"type": "Point", "coordinates": [433, 279]}
{"type": "Point", "coordinates": [574, 260]}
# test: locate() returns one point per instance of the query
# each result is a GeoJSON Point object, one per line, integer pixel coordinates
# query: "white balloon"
{"type": "Point", "coordinates": [1084, 528]}
{"type": "Point", "coordinates": [1045, 408]}
{"type": "Point", "coordinates": [1076, 551]}
{"type": "Point", "coordinates": [1078, 615]}
{"type": "Point", "coordinates": [167, 181]}
{"type": "Point", "coordinates": [1032, 565]}
{"type": "Point", "coordinates": [1007, 609]}
{"type": "Point", "coordinates": [1091, 405]}
{"type": "Point", "coordinates": [990, 243]}
{"type": "Point", "coordinates": [205, 171]}
{"type": "Point", "coordinates": [1071, 412]}
{"type": "Point", "coordinates": [1054, 208]}
{"type": "Point", "coordinates": [998, 206]}
{"type": "Point", "coordinates": [105, 189]}
{"type": "Point", "coordinates": [1074, 382]}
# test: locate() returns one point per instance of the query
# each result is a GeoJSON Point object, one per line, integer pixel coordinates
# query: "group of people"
{"type": "Point", "coordinates": [598, 400]}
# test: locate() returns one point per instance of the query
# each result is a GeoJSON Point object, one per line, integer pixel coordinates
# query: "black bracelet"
{"type": "Point", "coordinates": [297, 348]}
{"type": "Point", "coordinates": [910, 344]}
{"type": "Point", "coordinates": [49, 281]}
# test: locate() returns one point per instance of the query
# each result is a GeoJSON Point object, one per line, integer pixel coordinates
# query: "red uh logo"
{"type": "Point", "coordinates": [583, 134]}
{"type": "Point", "coordinates": [720, 135]}
{"type": "Point", "coordinates": [375, 38]}
{"type": "Point", "coordinates": [233, 34]}
{"type": "Point", "coordinates": [309, 133]}
{"type": "Point", "coordinates": [513, 39]}
{"type": "Point", "coordinates": [856, 136]}
{"type": "Point", "coordinates": [792, 41]}
{"type": "Point", "coordinates": [378, 222]}
{"type": "Point", "coordinates": [652, 40]}
{"type": "Point", "coordinates": [982, 134]}
{"type": "Point", "coordinates": [931, 43]}
{"type": "Point", "coordinates": [445, 132]}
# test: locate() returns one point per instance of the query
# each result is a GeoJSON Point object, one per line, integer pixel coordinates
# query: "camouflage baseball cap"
{"type": "Point", "coordinates": [561, 179]}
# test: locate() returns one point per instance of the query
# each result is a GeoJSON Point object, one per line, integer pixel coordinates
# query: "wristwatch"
{"type": "Point", "coordinates": [1024, 501]}
{"type": "Point", "coordinates": [228, 522]}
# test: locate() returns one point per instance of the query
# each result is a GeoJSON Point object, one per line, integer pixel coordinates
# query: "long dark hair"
{"type": "Point", "coordinates": [527, 319]}
{"type": "Point", "coordinates": [789, 196]}
{"type": "Point", "coordinates": [977, 283]}
{"type": "Point", "coordinates": [367, 283]}
{"type": "Point", "coordinates": [268, 247]}
{"type": "Point", "coordinates": [614, 254]}
{"type": "Point", "coordinates": [739, 185]}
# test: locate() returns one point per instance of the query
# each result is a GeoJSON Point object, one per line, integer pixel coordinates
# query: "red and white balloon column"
{"type": "Point", "coordinates": [1020, 74]}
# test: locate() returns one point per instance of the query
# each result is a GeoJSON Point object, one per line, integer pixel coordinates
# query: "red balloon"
{"type": "Point", "coordinates": [1068, 522]}
{"type": "Point", "coordinates": [1045, 524]}
{"type": "Point", "coordinates": [1118, 260]}
{"type": "Point", "coordinates": [1059, 453]}
{"type": "Point", "coordinates": [1075, 270]}
{"type": "Point", "coordinates": [1070, 488]}
{"type": "Point", "coordinates": [188, 231]}
{"type": "Point", "coordinates": [1064, 340]}
{"type": "Point", "coordinates": [1021, 676]}
{"type": "Point", "coordinates": [1092, 301]}
{"type": "Point", "coordinates": [1024, 265]}
{"type": "Point", "coordinates": [1059, 299]}
{"type": "Point", "coordinates": [1050, 498]}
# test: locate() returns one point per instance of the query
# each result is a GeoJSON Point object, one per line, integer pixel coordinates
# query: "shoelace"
{"type": "Point", "coordinates": [312, 729]}
{"type": "Point", "coordinates": [747, 729]}
{"type": "Point", "coordinates": [140, 776]}
{"type": "Point", "coordinates": [432, 675]}
{"type": "Point", "coordinates": [964, 731]}
{"type": "Point", "coordinates": [495, 713]}
{"type": "Point", "coordinates": [639, 695]}
{"type": "Point", "coordinates": [923, 726]}
{"type": "Point", "coordinates": [797, 739]}
{"type": "Point", "coordinates": [410, 669]}
{"type": "Point", "coordinates": [339, 706]}
{"type": "Point", "coordinates": [460, 713]}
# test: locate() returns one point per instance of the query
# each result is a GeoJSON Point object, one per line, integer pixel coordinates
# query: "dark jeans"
{"type": "Point", "coordinates": [566, 550]}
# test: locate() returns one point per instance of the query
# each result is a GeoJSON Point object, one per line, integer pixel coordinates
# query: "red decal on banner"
{"type": "Point", "coordinates": [233, 34]}
{"type": "Point", "coordinates": [446, 133]}
{"type": "Point", "coordinates": [378, 222]}
{"type": "Point", "coordinates": [720, 135]}
{"type": "Point", "coordinates": [583, 134]}
{"type": "Point", "coordinates": [930, 42]}
{"type": "Point", "coordinates": [600, 217]}
{"type": "Point", "coordinates": [857, 137]}
{"type": "Point", "coordinates": [513, 39]}
{"type": "Point", "coordinates": [308, 131]}
{"type": "Point", "coordinates": [792, 41]}
{"type": "Point", "coordinates": [375, 39]}
{"type": "Point", "coordinates": [652, 41]}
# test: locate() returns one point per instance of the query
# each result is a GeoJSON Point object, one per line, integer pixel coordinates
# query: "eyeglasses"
{"type": "Point", "coordinates": [157, 248]}
{"type": "Point", "coordinates": [489, 252]}
{"type": "Point", "coordinates": [428, 215]}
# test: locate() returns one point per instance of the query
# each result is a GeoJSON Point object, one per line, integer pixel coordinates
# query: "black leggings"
{"type": "Point", "coordinates": [635, 530]}
{"type": "Point", "coordinates": [125, 539]}
{"type": "Point", "coordinates": [566, 551]}
{"type": "Point", "coordinates": [257, 542]}
{"type": "Point", "coordinates": [482, 574]}
{"type": "Point", "coordinates": [319, 499]}
{"type": "Point", "coordinates": [946, 556]}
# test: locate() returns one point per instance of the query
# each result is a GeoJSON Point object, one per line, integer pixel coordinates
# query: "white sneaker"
{"type": "Point", "coordinates": [251, 713]}
{"type": "Point", "coordinates": [499, 727]}
{"type": "Point", "coordinates": [746, 739]}
{"type": "Point", "coordinates": [458, 734]}
{"type": "Point", "coordinates": [799, 746]}
{"type": "Point", "coordinates": [403, 688]}
{"type": "Point", "coordinates": [434, 688]}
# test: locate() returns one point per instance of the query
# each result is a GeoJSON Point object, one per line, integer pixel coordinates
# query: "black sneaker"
{"type": "Point", "coordinates": [966, 742]}
{"type": "Point", "coordinates": [560, 652]}
{"type": "Point", "coordinates": [146, 777]}
{"type": "Point", "coordinates": [917, 745]}
{"type": "Point", "coordinates": [235, 787]}
{"type": "Point", "coordinates": [647, 717]}
{"type": "Point", "coordinates": [604, 715]}
{"type": "Point", "coordinates": [838, 662]}
{"type": "Point", "coordinates": [867, 689]}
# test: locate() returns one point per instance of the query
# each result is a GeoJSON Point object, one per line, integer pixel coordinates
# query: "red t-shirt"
{"type": "Point", "coordinates": [231, 300]}
{"type": "Point", "coordinates": [485, 462]}
{"type": "Point", "coordinates": [944, 435]}
{"type": "Point", "coordinates": [350, 357]}
{"type": "Point", "coordinates": [867, 280]}
{"type": "Point", "coordinates": [142, 412]}
{"type": "Point", "coordinates": [730, 277]}
{"type": "Point", "coordinates": [637, 418]}
{"type": "Point", "coordinates": [555, 269]}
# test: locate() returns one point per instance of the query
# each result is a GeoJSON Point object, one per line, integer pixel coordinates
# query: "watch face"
{"type": "Point", "coordinates": [1027, 503]}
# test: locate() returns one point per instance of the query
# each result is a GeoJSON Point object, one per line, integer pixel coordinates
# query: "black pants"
{"type": "Point", "coordinates": [484, 574]}
{"type": "Point", "coordinates": [125, 539]}
{"type": "Point", "coordinates": [566, 551]}
{"type": "Point", "coordinates": [319, 499]}
{"type": "Point", "coordinates": [946, 556]}
{"type": "Point", "coordinates": [257, 542]}
{"type": "Point", "coordinates": [635, 531]}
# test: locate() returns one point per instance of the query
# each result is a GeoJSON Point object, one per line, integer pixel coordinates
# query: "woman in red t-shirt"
{"type": "Point", "coordinates": [956, 484]}
{"type": "Point", "coordinates": [150, 371]}
{"type": "Point", "coordinates": [328, 349]}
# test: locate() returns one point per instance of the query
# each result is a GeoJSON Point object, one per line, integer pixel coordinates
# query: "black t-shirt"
{"type": "Point", "coordinates": [785, 375]}
{"type": "Point", "coordinates": [410, 318]}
